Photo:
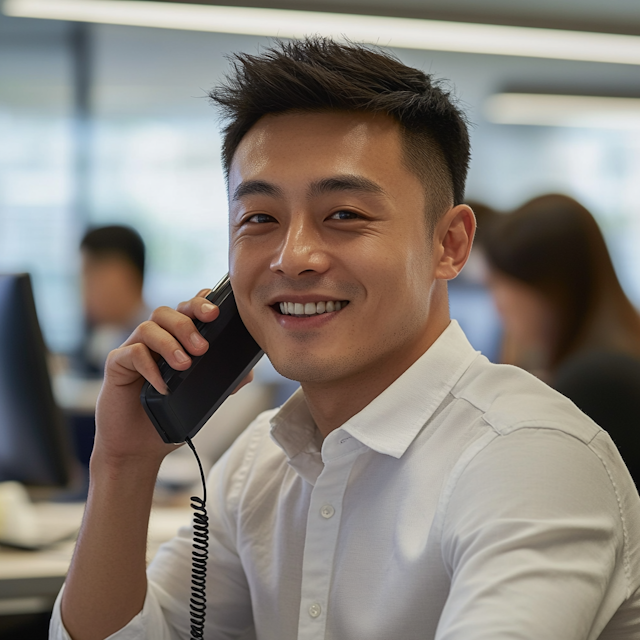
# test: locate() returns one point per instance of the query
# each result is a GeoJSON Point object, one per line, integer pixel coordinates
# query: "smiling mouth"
{"type": "Point", "coordinates": [308, 309]}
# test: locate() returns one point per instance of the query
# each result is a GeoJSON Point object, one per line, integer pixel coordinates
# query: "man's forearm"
{"type": "Point", "coordinates": [107, 583]}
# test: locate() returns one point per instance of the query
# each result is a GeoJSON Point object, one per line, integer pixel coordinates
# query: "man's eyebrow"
{"type": "Point", "coordinates": [345, 183]}
{"type": "Point", "coordinates": [255, 187]}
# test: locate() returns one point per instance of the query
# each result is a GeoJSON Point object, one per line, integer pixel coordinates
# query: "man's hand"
{"type": "Point", "coordinates": [107, 583]}
{"type": "Point", "coordinates": [123, 430]}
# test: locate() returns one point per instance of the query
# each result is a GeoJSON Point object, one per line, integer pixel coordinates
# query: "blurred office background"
{"type": "Point", "coordinates": [109, 124]}
{"type": "Point", "coordinates": [103, 123]}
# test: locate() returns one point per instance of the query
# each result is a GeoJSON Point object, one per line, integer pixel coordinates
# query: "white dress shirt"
{"type": "Point", "coordinates": [468, 501]}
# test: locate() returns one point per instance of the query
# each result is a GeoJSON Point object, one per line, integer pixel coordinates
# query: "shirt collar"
{"type": "Point", "coordinates": [392, 420]}
{"type": "Point", "coordinates": [295, 432]}
{"type": "Point", "coordinates": [389, 423]}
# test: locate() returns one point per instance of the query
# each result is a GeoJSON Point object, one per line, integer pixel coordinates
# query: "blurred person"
{"type": "Point", "coordinates": [565, 315]}
{"type": "Point", "coordinates": [407, 489]}
{"type": "Point", "coordinates": [113, 266]}
{"type": "Point", "coordinates": [113, 262]}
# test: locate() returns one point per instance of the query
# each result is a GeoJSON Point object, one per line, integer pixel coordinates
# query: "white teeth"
{"type": "Point", "coordinates": [311, 308]}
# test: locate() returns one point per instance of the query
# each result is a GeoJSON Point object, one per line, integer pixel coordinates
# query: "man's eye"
{"type": "Point", "coordinates": [344, 215]}
{"type": "Point", "coordinates": [260, 218]}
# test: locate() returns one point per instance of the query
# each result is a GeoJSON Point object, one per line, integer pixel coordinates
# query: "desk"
{"type": "Point", "coordinates": [31, 580]}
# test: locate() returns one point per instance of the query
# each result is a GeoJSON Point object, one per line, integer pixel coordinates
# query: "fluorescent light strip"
{"type": "Point", "coordinates": [391, 32]}
{"type": "Point", "coordinates": [563, 111]}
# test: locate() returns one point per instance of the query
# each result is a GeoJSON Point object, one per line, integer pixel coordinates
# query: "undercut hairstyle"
{"type": "Point", "coordinates": [116, 240]}
{"type": "Point", "coordinates": [318, 74]}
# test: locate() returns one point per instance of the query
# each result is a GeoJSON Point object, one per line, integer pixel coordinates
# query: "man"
{"type": "Point", "coordinates": [112, 279]}
{"type": "Point", "coordinates": [410, 489]}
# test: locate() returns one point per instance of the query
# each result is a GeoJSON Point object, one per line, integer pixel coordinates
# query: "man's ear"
{"type": "Point", "coordinates": [453, 238]}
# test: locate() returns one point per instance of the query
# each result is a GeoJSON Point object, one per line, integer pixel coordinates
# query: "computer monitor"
{"type": "Point", "coordinates": [35, 444]}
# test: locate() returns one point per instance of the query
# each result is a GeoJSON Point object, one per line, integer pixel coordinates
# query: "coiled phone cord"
{"type": "Point", "coordinates": [199, 556]}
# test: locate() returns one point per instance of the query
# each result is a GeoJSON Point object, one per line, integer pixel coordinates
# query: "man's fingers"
{"type": "Point", "coordinates": [176, 324]}
{"type": "Point", "coordinates": [126, 364]}
{"type": "Point", "coordinates": [169, 333]}
{"type": "Point", "coordinates": [199, 308]}
{"type": "Point", "coordinates": [174, 345]}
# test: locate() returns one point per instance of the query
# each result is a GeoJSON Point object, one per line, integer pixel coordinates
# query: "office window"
{"type": "Point", "coordinates": [38, 228]}
{"type": "Point", "coordinates": [598, 167]}
{"type": "Point", "coordinates": [163, 176]}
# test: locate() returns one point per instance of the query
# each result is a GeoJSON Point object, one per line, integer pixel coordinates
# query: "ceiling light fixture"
{"type": "Point", "coordinates": [563, 111]}
{"type": "Point", "coordinates": [433, 35]}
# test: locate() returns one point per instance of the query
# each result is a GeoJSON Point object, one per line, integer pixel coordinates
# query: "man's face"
{"type": "Point", "coordinates": [324, 215]}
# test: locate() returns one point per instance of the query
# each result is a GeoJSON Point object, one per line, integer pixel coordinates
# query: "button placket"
{"type": "Point", "coordinates": [321, 538]}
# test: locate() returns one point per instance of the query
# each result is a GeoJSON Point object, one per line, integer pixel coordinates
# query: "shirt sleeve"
{"type": "Point", "coordinates": [165, 614]}
{"type": "Point", "coordinates": [534, 542]}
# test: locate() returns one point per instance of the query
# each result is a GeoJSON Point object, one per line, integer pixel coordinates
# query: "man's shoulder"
{"type": "Point", "coordinates": [510, 399]}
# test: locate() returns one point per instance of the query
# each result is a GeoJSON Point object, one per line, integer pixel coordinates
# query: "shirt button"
{"type": "Point", "coordinates": [314, 610]}
{"type": "Point", "coordinates": [327, 511]}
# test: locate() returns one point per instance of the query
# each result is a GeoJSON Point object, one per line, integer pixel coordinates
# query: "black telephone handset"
{"type": "Point", "coordinates": [195, 394]}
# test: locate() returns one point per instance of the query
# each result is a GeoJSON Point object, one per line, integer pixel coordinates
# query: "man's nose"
{"type": "Point", "coordinates": [302, 250]}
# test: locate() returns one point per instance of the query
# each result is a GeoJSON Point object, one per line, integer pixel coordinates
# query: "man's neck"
{"type": "Point", "coordinates": [332, 404]}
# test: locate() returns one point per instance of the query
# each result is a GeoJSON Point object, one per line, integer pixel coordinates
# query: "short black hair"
{"type": "Point", "coordinates": [317, 74]}
{"type": "Point", "coordinates": [116, 240]}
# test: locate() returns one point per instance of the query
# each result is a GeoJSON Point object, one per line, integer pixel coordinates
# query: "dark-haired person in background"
{"type": "Point", "coordinates": [113, 260]}
{"type": "Point", "coordinates": [565, 314]}
{"type": "Point", "coordinates": [410, 489]}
